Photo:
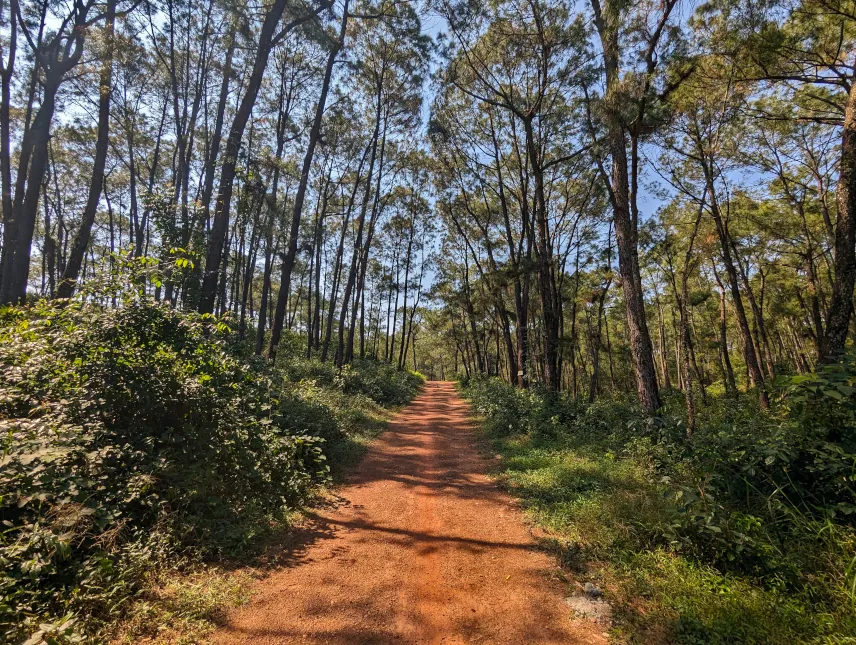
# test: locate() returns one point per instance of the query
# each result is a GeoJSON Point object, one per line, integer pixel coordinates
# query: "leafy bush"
{"type": "Point", "coordinates": [376, 380]}
{"type": "Point", "coordinates": [505, 409]}
{"type": "Point", "coordinates": [308, 369]}
{"type": "Point", "coordinates": [823, 407]}
{"type": "Point", "coordinates": [137, 433]}
{"type": "Point", "coordinates": [379, 381]}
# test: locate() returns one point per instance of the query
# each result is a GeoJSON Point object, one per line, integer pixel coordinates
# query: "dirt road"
{"type": "Point", "coordinates": [422, 548]}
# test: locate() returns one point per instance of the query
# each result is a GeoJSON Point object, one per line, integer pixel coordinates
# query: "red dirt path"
{"type": "Point", "coordinates": [421, 548]}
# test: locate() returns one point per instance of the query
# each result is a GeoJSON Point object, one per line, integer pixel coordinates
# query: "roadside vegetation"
{"type": "Point", "coordinates": [146, 452]}
{"type": "Point", "coordinates": [741, 533]}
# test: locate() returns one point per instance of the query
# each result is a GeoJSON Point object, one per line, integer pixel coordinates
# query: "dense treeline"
{"type": "Point", "coordinates": [266, 157]}
{"type": "Point", "coordinates": [262, 154]}
{"type": "Point", "coordinates": [556, 130]}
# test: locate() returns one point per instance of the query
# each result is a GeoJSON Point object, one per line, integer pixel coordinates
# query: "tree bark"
{"type": "Point", "coordinates": [358, 241]}
{"type": "Point", "coordinates": [544, 255]}
{"type": "Point", "coordinates": [730, 384]}
{"type": "Point", "coordinates": [216, 136]}
{"type": "Point", "coordinates": [844, 251]}
{"type": "Point", "coordinates": [337, 269]}
{"type": "Point", "coordinates": [7, 70]}
{"type": "Point", "coordinates": [16, 269]}
{"type": "Point", "coordinates": [625, 212]}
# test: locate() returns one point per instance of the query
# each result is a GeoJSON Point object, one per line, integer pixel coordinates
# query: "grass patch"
{"type": "Point", "coordinates": [617, 514]}
{"type": "Point", "coordinates": [185, 608]}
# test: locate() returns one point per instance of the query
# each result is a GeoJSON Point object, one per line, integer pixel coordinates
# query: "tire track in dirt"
{"type": "Point", "coordinates": [421, 547]}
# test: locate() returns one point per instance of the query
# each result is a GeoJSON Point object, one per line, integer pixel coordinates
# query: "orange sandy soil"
{"type": "Point", "coordinates": [421, 547]}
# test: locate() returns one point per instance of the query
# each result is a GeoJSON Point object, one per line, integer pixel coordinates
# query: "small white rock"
{"type": "Point", "coordinates": [585, 607]}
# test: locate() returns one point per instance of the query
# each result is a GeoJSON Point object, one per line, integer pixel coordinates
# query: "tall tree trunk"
{"type": "Point", "coordinates": [844, 251]}
{"type": "Point", "coordinates": [314, 136]}
{"type": "Point", "coordinates": [518, 361]}
{"type": "Point", "coordinates": [337, 268]}
{"type": "Point", "coordinates": [12, 215]}
{"type": "Point", "coordinates": [544, 254]}
{"type": "Point", "coordinates": [367, 247]}
{"type": "Point", "coordinates": [762, 345]}
{"type": "Point", "coordinates": [358, 241]}
{"type": "Point", "coordinates": [220, 225]}
{"type": "Point", "coordinates": [402, 353]}
{"type": "Point", "coordinates": [472, 318]}
{"type": "Point", "coordinates": [394, 288]}
{"type": "Point", "coordinates": [49, 252]}
{"type": "Point", "coordinates": [16, 269]}
{"type": "Point", "coordinates": [219, 228]}
{"type": "Point", "coordinates": [272, 248]}
{"type": "Point", "coordinates": [7, 70]}
{"type": "Point", "coordinates": [315, 336]}
{"type": "Point", "coordinates": [756, 378]}
{"type": "Point", "coordinates": [664, 364]}
{"type": "Point", "coordinates": [216, 136]}
{"type": "Point", "coordinates": [595, 343]}
{"type": "Point", "coordinates": [142, 237]}
{"type": "Point", "coordinates": [270, 251]}
{"type": "Point", "coordinates": [96, 182]}
{"type": "Point", "coordinates": [625, 212]}
{"type": "Point", "coordinates": [386, 349]}
{"type": "Point", "coordinates": [252, 250]}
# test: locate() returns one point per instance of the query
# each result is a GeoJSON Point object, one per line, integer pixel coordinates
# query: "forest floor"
{"type": "Point", "coordinates": [418, 546]}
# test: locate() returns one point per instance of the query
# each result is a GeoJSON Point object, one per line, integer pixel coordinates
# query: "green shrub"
{"type": "Point", "coordinates": [129, 433]}
{"type": "Point", "coordinates": [823, 407]}
{"type": "Point", "coordinates": [376, 380]}
{"type": "Point", "coordinates": [137, 439]}
{"type": "Point", "coordinates": [300, 368]}
{"type": "Point", "coordinates": [506, 410]}
{"type": "Point", "coordinates": [379, 381]}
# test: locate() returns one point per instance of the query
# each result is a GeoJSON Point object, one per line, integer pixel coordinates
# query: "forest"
{"type": "Point", "coordinates": [236, 236]}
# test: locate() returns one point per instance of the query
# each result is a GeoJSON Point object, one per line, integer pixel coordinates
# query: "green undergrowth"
{"type": "Point", "coordinates": [148, 458]}
{"type": "Point", "coordinates": [742, 533]}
